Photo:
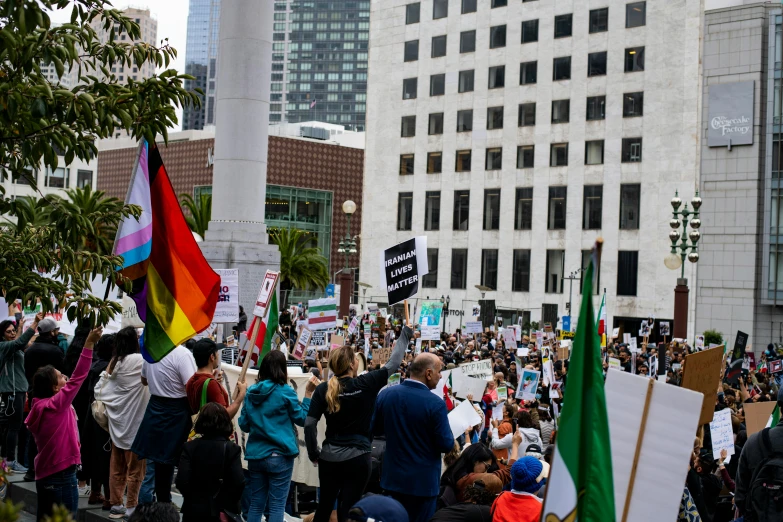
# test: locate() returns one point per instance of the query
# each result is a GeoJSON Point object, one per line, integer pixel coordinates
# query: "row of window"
{"type": "Point", "coordinates": [627, 269]}
{"type": "Point", "coordinates": [58, 178]}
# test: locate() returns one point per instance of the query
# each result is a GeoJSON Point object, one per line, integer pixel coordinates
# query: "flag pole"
{"type": "Point", "coordinates": [249, 354]}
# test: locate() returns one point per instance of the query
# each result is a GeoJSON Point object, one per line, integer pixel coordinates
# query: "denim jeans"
{"type": "Point", "coordinates": [59, 488]}
{"type": "Point", "coordinates": [147, 491]}
{"type": "Point", "coordinates": [270, 479]}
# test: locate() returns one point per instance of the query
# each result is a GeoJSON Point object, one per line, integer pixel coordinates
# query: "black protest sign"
{"type": "Point", "coordinates": [737, 357]}
{"type": "Point", "coordinates": [402, 267]}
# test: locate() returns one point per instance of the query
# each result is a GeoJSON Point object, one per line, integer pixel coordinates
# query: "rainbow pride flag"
{"type": "Point", "coordinates": [174, 287]}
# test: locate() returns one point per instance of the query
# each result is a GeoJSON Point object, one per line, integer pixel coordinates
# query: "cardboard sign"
{"type": "Point", "coordinates": [381, 355]}
{"type": "Point", "coordinates": [562, 353]}
{"type": "Point", "coordinates": [464, 385]}
{"type": "Point", "coordinates": [701, 373]}
{"type": "Point", "coordinates": [663, 327]}
{"type": "Point", "coordinates": [757, 415]}
{"type": "Point", "coordinates": [265, 293]}
{"type": "Point", "coordinates": [722, 434]}
{"type": "Point", "coordinates": [301, 343]}
{"type": "Point", "coordinates": [402, 266]}
{"type": "Point", "coordinates": [336, 341]}
{"type": "Point", "coordinates": [227, 308]}
{"type": "Point", "coordinates": [478, 369]}
{"type": "Point", "coordinates": [473, 327]}
{"type": "Point", "coordinates": [430, 320]}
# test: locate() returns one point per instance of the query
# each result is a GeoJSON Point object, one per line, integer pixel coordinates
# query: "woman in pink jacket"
{"type": "Point", "coordinates": [52, 421]}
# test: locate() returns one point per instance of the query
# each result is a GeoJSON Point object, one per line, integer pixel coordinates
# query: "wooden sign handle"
{"type": "Point", "coordinates": [249, 353]}
{"type": "Point", "coordinates": [407, 313]}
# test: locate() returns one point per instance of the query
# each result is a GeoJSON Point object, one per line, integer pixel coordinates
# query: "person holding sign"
{"type": "Point", "coordinates": [347, 401]}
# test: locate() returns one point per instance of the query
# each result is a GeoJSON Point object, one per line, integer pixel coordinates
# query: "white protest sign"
{"type": "Point", "coordinates": [353, 325]}
{"type": "Point", "coordinates": [528, 385]}
{"type": "Point", "coordinates": [722, 434]}
{"type": "Point", "coordinates": [265, 293]}
{"type": "Point", "coordinates": [509, 338]}
{"type": "Point", "coordinates": [3, 309]}
{"type": "Point", "coordinates": [402, 267]}
{"type": "Point", "coordinates": [227, 308]}
{"type": "Point", "coordinates": [633, 346]}
{"type": "Point", "coordinates": [130, 314]}
{"type": "Point", "coordinates": [614, 364]}
{"type": "Point", "coordinates": [473, 327]}
{"type": "Point", "coordinates": [29, 313]}
{"type": "Point", "coordinates": [302, 343]}
{"type": "Point", "coordinates": [478, 369]}
{"type": "Point", "coordinates": [522, 352]}
{"type": "Point", "coordinates": [418, 346]}
{"type": "Point", "coordinates": [549, 373]}
{"type": "Point", "coordinates": [464, 385]}
{"type": "Point", "coordinates": [627, 338]}
{"type": "Point", "coordinates": [444, 378]}
{"type": "Point", "coordinates": [463, 417]}
{"type": "Point", "coordinates": [497, 410]}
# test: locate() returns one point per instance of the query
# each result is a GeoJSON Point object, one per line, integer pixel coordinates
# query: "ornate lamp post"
{"type": "Point", "coordinates": [347, 246]}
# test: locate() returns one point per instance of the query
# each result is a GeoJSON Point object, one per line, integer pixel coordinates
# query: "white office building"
{"type": "Point", "coordinates": [513, 133]}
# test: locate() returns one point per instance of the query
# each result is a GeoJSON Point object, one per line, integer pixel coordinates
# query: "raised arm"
{"type": "Point", "coordinates": [399, 350]}
{"type": "Point", "coordinates": [9, 347]}
{"type": "Point", "coordinates": [65, 396]}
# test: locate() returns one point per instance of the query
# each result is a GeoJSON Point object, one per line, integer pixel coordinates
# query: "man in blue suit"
{"type": "Point", "coordinates": [416, 426]}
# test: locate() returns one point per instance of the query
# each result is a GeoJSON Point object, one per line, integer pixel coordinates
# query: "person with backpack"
{"type": "Point", "coordinates": [206, 385]}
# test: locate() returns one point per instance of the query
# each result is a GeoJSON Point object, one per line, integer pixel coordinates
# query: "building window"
{"type": "Point", "coordinates": [489, 268]}
{"type": "Point", "coordinates": [412, 13]}
{"type": "Point", "coordinates": [57, 178]}
{"type": "Point", "coordinates": [408, 126]}
{"type": "Point", "coordinates": [594, 152]}
{"type": "Point", "coordinates": [558, 156]}
{"type": "Point", "coordinates": [635, 14]}
{"type": "Point", "coordinates": [528, 73]}
{"type": "Point", "coordinates": [438, 46]}
{"type": "Point", "coordinates": [410, 86]}
{"type": "Point", "coordinates": [463, 161]}
{"type": "Point", "coordinates": [412, 51]}
{"type": "Point", "coordinates": [83, 178]}
{"type": "Point", "coordinates": [497, 77]}
{"type": "Point", "coordinates": [527, 115]}
{"type": "Point", "coordinates": [592, 204]}
{"type": "Point", "coordinates": [461, 209]}
{"type": "Point", "coordinates": [466, 81]}
{"type": "Point", "coordinates": [627, 268]}
{"type": "Point", "coordinates": [563, 25]}
{"type": "Point", "coordinates": [436, 124]}
{"type": "Point", "coordinates": [432, 210]}
{"type": "Point", "coordinates": [555, 268]}
{"type": "Point", "coordinates": [561, 68]}
{"type": "Point", "coordinates": [633, 104]}
{"type": "Point", "coordinates": [586, 257]}
{"type": "Point", "coordinates": [434, 162]}
{"type": "Point", "coordinates": [404, 210]}
{"type": "Point", "coordinates": [437, 84]}
{"type": "Point", "coordinates": [468, 6]}
{"type": "Point", "coordinates": [556, 218]}
{"type": "Point", "coordinates": [431, 279]}
{"type": "Point", "coordinates": [529, 31]}
{"type": "Point", "coordinates": [465, 120]}
{"type": "Point", "coordinates": [561, 110]}
{"type": "Point", "coordinates": [596, 64]}
{"type": "Point", "coordinates": [497, 36]}
{"type": "Point", "coordinates": [440, 9]}
{"type": "Point", "coordinates": [494, 118]}
{"type": "Point", "coordinates": [406, 164]}
{"type": "Point", "coordinates": [523, 213]}
{"type": "Point", "coordinates": [630, 198]}
{"type": "Point", "coordinates": [520, 273]}
{"type": "Point", "coordinates": [634, 59]}
{"type": "Point", "coordinates": [494, 159]}
{"type": "Point", "coordinates": [499, 3]}
{"type": "Point", "coordinates": [599, 20]}
{"type": "Point", "coordinates": [459, 268]}
{"type": "Point", "coordinates": [467, 41]}
{"type": "Point", "coordinates": [491, 209]}
{"type": "Point", "coordinates": [632, 150]}
{"type": "Point", "coordinates": [596, 108]}
{"type": "Point", "coordinates": [525, 156]}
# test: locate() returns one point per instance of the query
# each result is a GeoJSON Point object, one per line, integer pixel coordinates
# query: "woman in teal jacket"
{"type": "Point", "coordinates": [270, 410]}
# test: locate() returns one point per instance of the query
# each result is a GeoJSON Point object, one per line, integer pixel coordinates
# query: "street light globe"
{"type": "Point", "coordinates": [694, 235]}
{"type": "Point", "coordinates": [672, 261]}
{"type": "Point", "coordinates": [695, 223]}
{"type": "Point", "coordinates": [349, 207]}
{"type": "Point", "coordinates": [693, 257]}
{"type": "Point", "coordinates": [674, 235]}
{"type": "Point", "coordinates": [676, 202]}
{"type": "Point", "coordinates": [674, 223]}
{"type": "Point", "coordinates": [696, 202]}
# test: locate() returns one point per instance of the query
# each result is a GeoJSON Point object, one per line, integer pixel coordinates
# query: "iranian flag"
{"type": "Point", "coordinates": [774, 419]}
{"type": "Point", "coordinates": [580, 485]}
{"type": "Point", "coordinates": [266, 331]}
{"type": "Point", "coordinates": [602, 321]}
{"type": "Point", "coordinates": [322, 314]}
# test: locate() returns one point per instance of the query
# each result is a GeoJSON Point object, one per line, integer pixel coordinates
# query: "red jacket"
{"type": "Point", "coordinates": [512, 506]}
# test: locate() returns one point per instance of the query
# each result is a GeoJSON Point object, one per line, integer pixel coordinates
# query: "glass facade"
{"type": "Point", "coordinates": [775, 231]}
{"type": "Point", "coordinates": [200, 60]}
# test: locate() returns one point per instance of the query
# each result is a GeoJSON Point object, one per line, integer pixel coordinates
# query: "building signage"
{"type": "Point", "coordinates": [731, 114]}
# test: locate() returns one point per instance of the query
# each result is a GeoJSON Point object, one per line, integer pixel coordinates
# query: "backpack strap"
{"type": "Point", "coordinates": [204, 392]}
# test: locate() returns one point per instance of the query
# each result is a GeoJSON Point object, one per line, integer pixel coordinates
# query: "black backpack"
{"type": "Point", "coordinates": [764, 502]}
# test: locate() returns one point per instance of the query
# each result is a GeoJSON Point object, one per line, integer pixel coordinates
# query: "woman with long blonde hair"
{"type": "Point", "coordinates": [347, 401]}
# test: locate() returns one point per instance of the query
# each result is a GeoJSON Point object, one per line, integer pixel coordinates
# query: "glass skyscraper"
{"type": "Point", "coordinates": [201, 60]}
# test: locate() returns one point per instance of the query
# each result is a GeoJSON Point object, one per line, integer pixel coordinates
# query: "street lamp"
{"type": "Point", "coordinates": [347, 246]}
{"type": "Point", "coordinates": [680, 250]}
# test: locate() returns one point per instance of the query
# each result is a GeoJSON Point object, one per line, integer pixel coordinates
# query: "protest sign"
{"type": "Point", "coordinates": [301, 343]}
{"type": "Point", "coordinates": [510, 338]}
{"type": "Point", "coordinates": [722, 434]}
{"type": "Point", "coordinates": [444, 379]}
{"type": "Point", "coordinates": [664, 328]}
{"type": "Point", "coordinates": [522, 352]}
{"type": "Point", "coordinates": [318, 338]}
{"type": "Point", "coordinates": [418, 346]}
{"type": "Point", "coordinates": [29, 312]}
{"type": "Point", "coordinates": [463, 417]}
{"type": "Point", "coordinates": [227, 308]}
{"type": "Point", "coordinates": [528, 385]}
{"type": "Point", "coordinates": [430, 320]}
{"type": "Point", "coordinates": [130, 314]}
{"type": "Point", "coordinates": [336, 341]}
{"type": "Point", "coordinates": [737, 358]}
{"type": "Point", "coordinates": [757, 415]}
{"type": "Point", "coordinates": [476, 310]}
{"type": "Point", "coordinates": [615, 333]}
{"type": "Point", "coordinates": [353, 325]}
{"type": "Point", "coordinates": [699, 342]}
{"type": "Point", "coordinates": [497, 410]}
{"type": "Point", "coordinates": [402, 266]}
{"type": "Point", "coordinates": [614, 364]}
{"type": "Point", "coordinates": [381, 355]}
{"type": "Point", "coordinates": [562, 353]}
{"type": "Point", "coordinates": [265, 293]}
{"type": "Point", "coordinates": [478, 369]}
{"type": "Point", "coordinates": [634, 348]}
{"type": "Point", "coordinates": [3, 309]}
{"type": "Point", "coordinates": [464, 385]}
{"type": "Point", "coordinates": [627, 338]}
{"type": "Point", "coordinates": [393, 380]}
{"type": "Point", "coordinates": [701, 373]}
{"type": "Point", "coordinates": [775, 366]}
{"type": "Point", "coordinates": [473, 327]}
{"type": "Point", "coordinates": [549, 373]}
{"type": "Point", "coordinates": [502, 393]}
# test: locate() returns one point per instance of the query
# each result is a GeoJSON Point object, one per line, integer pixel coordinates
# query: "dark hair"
{"type": "Point", "coordinates": [190, 344]}
{"type": "Point", "coordinates": [126, 342]}
{"type": "Point", "coordinates": [4, 326]}
{"type": "Point", "coordinates": [477, 493]}
{"type": "Point", "coordinates": [214, 421]}
{"type": "Point", "coordinates": [44, 381]}
{"type": "Point", "coordinates": [525, 420]}
{"type": "Point", "coordinates": [464, 464]}
{"type": "Point", "coordinates": [104, 348]}
{"type": "Point", "coordinates": [543, 415]}
{"type": "Point", "coordinates": [273, 368]}
{"type": "Point", "coordinates": [155, 512]}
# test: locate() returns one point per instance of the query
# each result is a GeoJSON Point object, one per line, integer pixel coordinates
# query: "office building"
{"type": "Point", "coordinates": [201, 61]}
{"type": "Point", "coordinates": [149, 34]}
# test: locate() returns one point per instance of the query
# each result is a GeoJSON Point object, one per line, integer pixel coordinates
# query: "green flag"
{"type": "Point", "coordinates": [774, 419]}
{"type": "Point", "coordinates": [271, 327]}
{"type": "Point", "coordinates": [580, 482]}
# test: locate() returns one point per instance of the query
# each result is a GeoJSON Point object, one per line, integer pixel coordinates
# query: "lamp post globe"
{"type": "Point", "coordinates": [672, 261]}
{"type": "Point", "coordinates": [349, 207]}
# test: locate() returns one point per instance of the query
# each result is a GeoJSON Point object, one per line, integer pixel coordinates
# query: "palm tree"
{"type": "Point", "coordinates": [27, 211]}
{"type": "Point", "coordinates": [200, 212]}
{"type": "Point", "coordinates": [95, 211]}
{"type": "Point", "coordinates": [301, 265]}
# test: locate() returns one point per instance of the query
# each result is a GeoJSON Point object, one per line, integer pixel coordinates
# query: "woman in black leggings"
{"type": "Point", "coordinates": [347, 401]}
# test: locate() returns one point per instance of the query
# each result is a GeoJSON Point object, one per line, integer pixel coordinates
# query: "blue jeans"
{"type": "Point", "coordinates": [59, 488]}
{"type": "Point", "coordinates": [147, 491]}
{"type": "Point", "coordinates": [270, 479]}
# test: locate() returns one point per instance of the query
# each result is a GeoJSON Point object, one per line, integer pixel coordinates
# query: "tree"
{"type": "Point", "coordinates": [85, 201]}
{"type": "Point", "coordinates": [200, 212]}
{"type": "Point", "coordinates": [301, 266]}
{"type": "Point", "coordinates": [712, 337]}
{"type": "Point", "coordinates": [42, 119]}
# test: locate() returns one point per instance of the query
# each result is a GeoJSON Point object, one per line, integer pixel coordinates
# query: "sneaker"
{"type": "Point", "coordinates": [117, 511]}
{"type": "Point", "coordinates": [15, 467]}
{"type": "Point", "coordinates": [28, 477]}
{"type": "Point", "coordinates": [84, 491]}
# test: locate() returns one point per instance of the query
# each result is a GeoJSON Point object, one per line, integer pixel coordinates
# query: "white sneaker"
{"type": "Point", "coordinates": [84, 491]}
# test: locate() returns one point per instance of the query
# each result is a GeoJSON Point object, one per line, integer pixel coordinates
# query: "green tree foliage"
{"type": "Point", "coordinates": [199, 212]}
{"type": "Point", "coordinates": [712, 337]}
{"type": "Point", "coordinates": [301, 266]}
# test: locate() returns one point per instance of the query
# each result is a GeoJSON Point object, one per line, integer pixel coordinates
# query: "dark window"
{"type": "Point", "coordinates": [556, 218]}
{"type": "Point", "coordinates": [437, 84]}
{"type": "Point", "coordinates": [555, 269]}
{"type": "Point", "coordinates": [440, 9]}
{"type": "Point", "coordinates": [528, 73]}
{"type": "Point", "coordinates": [494, 159]}
{"type": "Point", "coordinates": [563, 25]}
{"type": "Point", "coordinates": [461, 209]}
{"type": "Point", "coordinates": [529, 31]}
{"type": "Point", "coordinates": [459, 268]}
{"type": "Point", "coordinates": [412, 13]}
{"type": "Point", "coordinates": [466, 81]}
{"type": "Point", "coordinates": [634, 59]}
{"type": "Point", "coordinates": [497, 77]}
{"type": "Point", "coordinates": [520, 273]}
{"type": "Point", "coordinates": [409, 88]}
{"type": "Point", "coordinates": [497, 36]}
{"type": "Point", "coordinates": [408, 126]}
{"type": "Point", "coordinates": [592, 204]}
{"type": "Point", "coordinates": [406, 163]}
{"type": "Point", "coordinates": [586, 257]}
{"type": "Point", "coordinates": [499, 3]}
{"type": "Point", "coordinates": [432, 210]}
{"type": "Point", "coordinates": [525, 156]}
{"type": "Point", "coordinates": [404, 210]}
{"type": "Point", "coordinates": [489, 268]}
{"type": "Point", "coordinates": [523, 213]}
{"type": "Point", "coordinates": [596, 64]}
{"type": "Point", "coordinates": [491, 209]}
{"type": "Point", "coordinates": [465, 120]}
{"type": "Point", "coordinates": [468, 6]}
{"type": "Point", "coordinates": [83, 178]}
{"type": "Point", "coordinates": [463, 161]}
{"type": "Point", "coordinates": [561, 110]}
{"type": "Point", "coordinates": [467, 41]}
{"type": "Point", "coordinates": [412, 51]}
{"type": "Point", "coordinates": [632, 150]}
{"type": "Point", "coordinates": [561, 68]}
{"type": "Point", "coordinates": [431, 279]}
{"type": "Point", "coordinates": [633, 104]}
{"type": "Point", "coordinates": [630, 197]}
{"type": "Point", "coordinates": [558, 155]}
{"type": "Point", "coordinates": [527, 115]}
{"type": "Point", "coordinates": [436, 124]}
{"type": "Point", "coordinates": [599, 20]}
{"type": "Point", "coordinates": [438, 46]}
{"type": "Point", "coordinates": [494, 118]}
{"type": "Point", "coordinates": [635, 14]}
{"type": "Point", "coordinates": [596, 108]}
{"type": "Point", "coordinates": [594, 152]}
{"type": "Point", "coordinates": [434, 162]}
{"type": "Point", "coordinates": [627, 268]}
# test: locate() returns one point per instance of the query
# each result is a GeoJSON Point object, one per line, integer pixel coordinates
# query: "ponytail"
{"type": "Point", "coordinates": [333, 394]}
{"type": "Point", "coordinates": [340, 362]}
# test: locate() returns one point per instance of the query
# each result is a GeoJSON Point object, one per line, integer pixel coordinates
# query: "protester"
{"type": "Point", "coordinates": [521, 504]}
{"type": "Point", "coordinates": [502, 432]}
{"type": "Point", "coordinates": [205, 353]}
{"type": "Point", "coordinates": [242, 324]}
{"type": "Point", "coordinates": [546, 424]}
{"type": "Point", "coordinates": [528, 427]}
{"type": "Point", "coordinates": [378, 508]}
{"type": "Point", "coordinates": [476, 507]}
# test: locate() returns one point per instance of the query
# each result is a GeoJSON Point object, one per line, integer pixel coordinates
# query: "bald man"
{"type": "Point", "coordinates": [416, 426]}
